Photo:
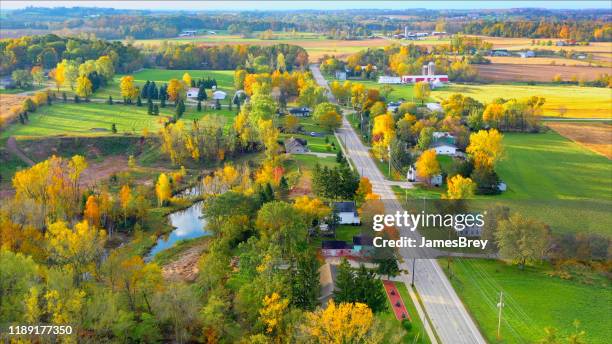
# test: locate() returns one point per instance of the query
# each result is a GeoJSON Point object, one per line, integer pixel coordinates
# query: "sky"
{"type": "Point", "coordinates": [296, 5]}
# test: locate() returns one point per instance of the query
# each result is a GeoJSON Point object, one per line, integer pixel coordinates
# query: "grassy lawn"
{"type": "Point", "coordinates": [308, 162]}
{"type": "Point", "coordinates": [533, 300]}
{"type": "Point", "coordinates": [19, 90]}
{"type": "Point", "coordinates": [579, 101]}
{"type": "Point", "coordinates": [97, 119]}
{"type": "Point", "coordinates": [557, 181]}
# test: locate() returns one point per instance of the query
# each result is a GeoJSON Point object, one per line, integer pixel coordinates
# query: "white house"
{"type": "Point", "coordinates": [442, 134]}
{"type": "Point", "coordinates": [526, 54]}
{"type": "Point", "coordinates": [347, 213]}
{"type": "Point", "coordinates": [219, 95]}
{"type": "Point", "coordinates": [192, 92]}
{"type": "Point", "coordinates": [444, 148]}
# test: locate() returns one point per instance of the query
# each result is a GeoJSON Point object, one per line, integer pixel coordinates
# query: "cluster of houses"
{"type": "Point", "coordinates": [505, 52]}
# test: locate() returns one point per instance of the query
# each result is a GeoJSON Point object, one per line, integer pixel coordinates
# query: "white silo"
{"type": "Point", "coordinates": [431, 68]}
{"type": "Point", "coordinates": [424, 70]}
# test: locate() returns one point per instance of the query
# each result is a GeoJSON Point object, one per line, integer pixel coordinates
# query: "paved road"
{"type": "Point", "coordinates": [448, 316]}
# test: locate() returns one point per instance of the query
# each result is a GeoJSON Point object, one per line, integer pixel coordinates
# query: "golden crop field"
{"type": "Point", "coordinates": [579, 102]}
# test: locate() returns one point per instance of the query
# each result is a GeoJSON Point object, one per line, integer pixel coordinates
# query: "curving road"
{"type": "Point", "coordinates": [444, 309]}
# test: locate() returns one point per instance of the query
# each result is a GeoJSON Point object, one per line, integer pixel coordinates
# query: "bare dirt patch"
{"type": "Point", "coordinates": [303, 187]}
{"type": "Point", "coordinates": [594, 136]}
{"type": "Point", "coordinates": [185, 268]}
{"type": "Point", "coordinates": [98, 171]}
{"type": "Point", "coordinates": [541, 73]}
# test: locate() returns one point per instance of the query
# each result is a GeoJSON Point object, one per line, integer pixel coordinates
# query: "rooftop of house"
{"type": "Point", "coordinates": [345, 207]}
{"type": "Point", "coordinates": [293, 143]}
{"type": "Point", "coordinates": [442, 142]}
{"type": "Point", "coordinates": [299, 110]}
{"type": "Point", "coordinates": [335, 244]}
{"type": "Point", "coordinates": [362, 240]}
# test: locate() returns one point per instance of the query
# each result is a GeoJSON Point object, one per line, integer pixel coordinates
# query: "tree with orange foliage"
{"type": "Point", "coordinates": [125, 200]}
{"type": "Point", "coordinates": [92, 211]}
{"type": "Point", "coordinates": [311, 209]}
{"type": "Point", "coordinates": [364, 189]}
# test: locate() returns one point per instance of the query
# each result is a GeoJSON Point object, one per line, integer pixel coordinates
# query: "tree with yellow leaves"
{"type": "Point", "coordinates": [125, 200]}
{"type": "Point", "coordinates": [177, 90]}
{"type": "Point", "coordinates": [312, 209]}
{"type": "Point", "coordinates": [459, 187]}
{"type": "Point", "coordinates": [486, 148]}
{"type": "Point", "coordinates": [493, 114]}
{"type": "Point", "coordinates": [291, 124]}
{"type": "Point", "coordinates": [163, 189]}
{"type": "Point", "coordinates": [83, 87]}
{"type": "Point", "coordinates": [383, 133]}
{"type": "Point", "coordinates": [187, 79]}
{"type": "Point", "coordinates": [422, 91]}
{"type": "Point", "coordinates": [364, 189]}
{"type": "Point", "coordinates": [78, 248]}
{"type": "Point", "coordinates": [427, 165]}
{"type": "Point", "coordinates": [92, 211]}
{"type": "Point", "coordinates": [272, 313]}
{"type": "Point", "coordinates": [340, 324]}
{"type": "Point", "coordinates": [128, 89]}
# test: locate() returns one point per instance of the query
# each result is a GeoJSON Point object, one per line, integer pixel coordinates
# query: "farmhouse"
{"type": "Point", "coordinates": [300, 112]}
{"type": "Point", "coordinates": [347, 213]}
{"type": "Point", "coordinates": [295, 146]}
{"type": "Point", "coordinates": [192, 92]}
{"type": "Point", "coordinates": [444, 148]}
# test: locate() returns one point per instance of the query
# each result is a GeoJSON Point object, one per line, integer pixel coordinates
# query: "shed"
{"type": "Point", "coordinates": [300, 112]}
{"type": "Point", "coordinates": [192, 92]}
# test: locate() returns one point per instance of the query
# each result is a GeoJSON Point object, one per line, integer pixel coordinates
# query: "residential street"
{"type": "Point", "coordinates": [447, 315]}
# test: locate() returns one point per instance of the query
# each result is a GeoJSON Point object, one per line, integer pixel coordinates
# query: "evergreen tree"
{"type": "Point", "coordinates": [217, 104]}
{"type": "Point", "coordinates": [110, 100]}
{"type": "Point", "coordinates": [345, 283]}
{"type": "Point", "coordinates": [77, 99]}
{"type": "Point", "coordinates": [138, 101]}
{"type": "Point", "coordinates": [114, 128]}
{"type": "Point", "coordinates": [199, 108]}
{"type": "Point", "coordinates": [144, 93]}
{"type": "Point", "coordinates": [149, 107]}
{"type": "Point", "coordinates": [153, 91]}
{"type": "Point", "coordinates": [230, 104]}
{"type": "Point", "coordinates": [369, 290]}
{"type": "Point", "coordinates": [21, 119]}
{"type": "Point", "coordinates": [64, 97]}
{"type": "Point", "coordinates": [340, 158]}
{"type": "Point", "coordinates": [49, 100]}
{"type": "Point", "coordinates": [283, 188]}
{"type": "Point", "coordinates": [162, 102]}
{"type": "Point", "coordinates": [155, 110]}
{"type": "Point", "coordinates": [305, 282]}
{"type": "Point", "coordinates": [180, 109]}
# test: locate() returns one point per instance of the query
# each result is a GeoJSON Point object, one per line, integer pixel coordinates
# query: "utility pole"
{"type": "Point", "coordinates": [413, 271]}
{"type": "Point", "coordinates": [389, 153]}
{"type": "Point", "coordinates": [500, 305]}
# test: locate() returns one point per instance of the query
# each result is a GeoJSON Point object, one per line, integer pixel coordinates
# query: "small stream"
{"type": "Point", "coordinates": [189, 223]}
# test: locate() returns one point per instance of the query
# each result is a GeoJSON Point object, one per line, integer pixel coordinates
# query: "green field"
{"type": "Point", "coordinates": [97, 119]}
{"type": "Point", "coordinates": [533, 301]}
{"type": "Point", "coordinates": [580, 102]}
{"type": "Point", "coordinates": [225, 80]}
{"type": "Point", "coordinates": [557, 181]}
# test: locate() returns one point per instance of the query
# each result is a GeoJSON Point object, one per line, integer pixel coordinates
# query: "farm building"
{"type": "Point", "coordinates": [295, 146]}
{"type": "Point", "coordinates": [499, 52]}
{"type": "Point", "coordinates": [347, 213]}
{"type": "Point", "coordinates": [192, 92]}
{"type": "Point", "coordinates": [434, 107]}
{"type": "Point", "coordinates": [188, 33]}
{"type": "Point", "coordinates": [428, 74]}
{"type": "Point", "coordinates": [219, 95]}
{"type": "Point", "coordinates": [527, 54]}
{"type": "Point", "coordinates": [300, 112]}
{"type": "Point", "coordinates": [384, 79]}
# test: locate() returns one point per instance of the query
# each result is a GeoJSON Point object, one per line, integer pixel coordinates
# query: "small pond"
{"type": "Point", "coordinates": [188, 223]}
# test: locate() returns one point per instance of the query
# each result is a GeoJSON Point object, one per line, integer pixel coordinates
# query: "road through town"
{"type": "Point", "coordinates": [445, 311]}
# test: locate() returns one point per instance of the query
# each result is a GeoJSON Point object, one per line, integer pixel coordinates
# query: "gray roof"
{"type": "Point", "coordinates": [345, 207]}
